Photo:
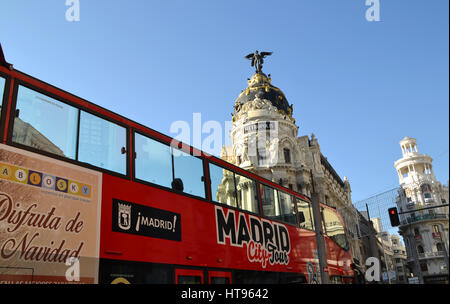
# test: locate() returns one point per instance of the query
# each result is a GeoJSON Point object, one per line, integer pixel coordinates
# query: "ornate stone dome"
{"type": "Point", "coordinates": [259, 86]}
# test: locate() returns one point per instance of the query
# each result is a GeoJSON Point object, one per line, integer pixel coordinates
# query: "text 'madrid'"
{"type": "Point", "coordinates": [266, 241]}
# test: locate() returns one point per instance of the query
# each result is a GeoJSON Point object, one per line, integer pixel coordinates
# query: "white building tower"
{"type": "Point", "coordinates": [424, 226]}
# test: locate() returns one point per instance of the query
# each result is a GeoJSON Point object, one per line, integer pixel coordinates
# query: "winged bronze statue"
{"type": "Point", "coordinates": [258, 59]}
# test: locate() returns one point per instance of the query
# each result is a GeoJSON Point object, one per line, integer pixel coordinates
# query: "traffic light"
{"type": "Point", "coordinates": [393, 216]}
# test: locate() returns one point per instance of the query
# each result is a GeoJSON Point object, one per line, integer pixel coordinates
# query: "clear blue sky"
{"type": "Point", "coordinates": [359, 86]}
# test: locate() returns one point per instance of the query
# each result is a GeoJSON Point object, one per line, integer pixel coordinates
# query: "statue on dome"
{"type": "Point", "coordinates": [258, 59]}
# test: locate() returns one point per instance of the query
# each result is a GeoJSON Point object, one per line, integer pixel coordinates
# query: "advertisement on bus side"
{"type": "Point", "coordinates": [267, 242]}
{"type": "Point", "coordinates": [147, 221]}
{"type": "Point", "coordinates": [49, 220]}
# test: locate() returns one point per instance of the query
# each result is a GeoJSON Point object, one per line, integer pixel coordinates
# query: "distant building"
{"type": "Point", "coordinates": [400, 260]}
{"type": "Point", "coordinates": [377, 224]}
{"type": "Point", "coordinates": [424, 226]}
{"type": "Point", "coordinates": [26, 134]}
{"type": "Point", "coordinates": [394, 258]}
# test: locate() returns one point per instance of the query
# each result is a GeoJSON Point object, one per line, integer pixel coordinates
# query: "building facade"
{"type": "Point", "coordinates": [394, 259]}
{"type": "Point", "coordinates": [265, 141]}
{"type": "Point", "coordinates": [423, 209]}
{"type": "Point", "coordinates": [400, 260]}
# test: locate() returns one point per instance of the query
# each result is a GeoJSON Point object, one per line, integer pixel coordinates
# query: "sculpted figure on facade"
{"type": "Point", "coordinates": [272, 150]}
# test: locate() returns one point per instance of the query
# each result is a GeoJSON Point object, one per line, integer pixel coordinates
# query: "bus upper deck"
{"type": "Point", "coordinates": [133, 202]}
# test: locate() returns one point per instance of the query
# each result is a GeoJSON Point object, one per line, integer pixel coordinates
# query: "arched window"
{"type": "Point", "coordinates": [287, 155]}
{"type": "Point", "coordinates": [425, 188]}
{"type": "Point", "coordinates": [423, 267]}
{"type": "Point", "coordinates": [420, 249]}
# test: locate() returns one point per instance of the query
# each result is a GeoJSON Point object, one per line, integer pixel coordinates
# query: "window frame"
{"type": "Point", "coordinates": [219, 274]}
{"type": "Point", "coordinates": [127, 140]}
{"type": "Point", "coordinates": [341, 221]}
{"type": "Point", "coordinates": [262, 161]}
{"type": "Point", "coordinates": [436, 228]}
{"type": "Point", "coordinates": [258, 197]}
{"type": "Point", "coordinates": [80, 108]}
{"type": "Point", "coordinates": [13, 117]}
{"type": "Point", "coordinates": [256, 192]}
{"type": "Point", "coordinates": [189, 272]}
{"type": "Point", "coordinates": [287, 152]}
{"type": "Point", "coordinates": [294, 201]}
{"type": "Point", "coordinates": [4, 103]}
{"type": "Point", "coordinates": [144, 182]}
{"type": "Point", "coordinates": [310, 211]}
{"type": "Point", "coordinates": [294, 197]}
{"type": "Point", "coordinates": [261, 193]}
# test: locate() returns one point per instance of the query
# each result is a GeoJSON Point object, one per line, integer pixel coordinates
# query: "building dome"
{"type": "Point", "coordinates": [259, 86]}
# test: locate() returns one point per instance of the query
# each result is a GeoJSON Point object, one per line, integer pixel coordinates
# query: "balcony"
{"type": "Point", "coordinates": [425, 217]}
{"type": "Point", "coordinates": [430, 255]}
{"type": "Point", "coordinates": [436, 235]}
{"type": "Point", "coordinates": [429, 201]}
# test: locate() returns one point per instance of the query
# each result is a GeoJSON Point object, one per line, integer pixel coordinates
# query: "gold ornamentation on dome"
{"type": "Point", "coordinates": [261, 84]}
{"type": "Point", "coordinates": [260, 104]}
{"type": "Point", "coordinates": [258, 78]}
{"type": "Point", "coordinates": [282, 112]}
{"type": "Point", "coordinates": [288, 115]}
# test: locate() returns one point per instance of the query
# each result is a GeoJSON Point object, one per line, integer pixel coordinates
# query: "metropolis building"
{"type": "Point", "coordinates": [423, 210]}
{"type": "Point", "coordinates": [265, 140]}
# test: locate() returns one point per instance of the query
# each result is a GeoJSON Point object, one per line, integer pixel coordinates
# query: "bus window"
{"type": "Point", "coordinates": [188, 276]}
{"type": "Point", "coordinates": [101, 143]}
{"type": "Point", "coordinates": [2, 90]}
{"type": "Point", "coordinates": [223, 187]}
{"type": "Point", "coordinates": [334, 228]}
{"type": "Point", "coordinates": [305, 215]}
{"type": "Point", "coordinates": [45, 123]}
{"type": "Point", "coordinates": [160, 164]}
{"type": "Point", "coordinates": [189, 169]}
{"type": "Point", "coordinates": [270, 205]}
{"type": "Point", "coordinates": [153, 161]}
{"type": "Point", "coordinates": [219, 277]}
{"type": "Point", "coordinates": [246, 193]}
{"type": "Point", "coordinates": [219, 280]}
{"type": "Point", "coordinates": [189, 279]}
{"type": "Point", "coordinates": [287, 208]}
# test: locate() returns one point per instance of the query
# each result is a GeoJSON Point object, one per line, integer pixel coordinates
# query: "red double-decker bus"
{"type": "Point", "coordinates": [89, 196]}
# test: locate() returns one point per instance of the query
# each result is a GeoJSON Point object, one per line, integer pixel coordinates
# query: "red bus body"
{"type": "Point", "coordinates": [198, 256]}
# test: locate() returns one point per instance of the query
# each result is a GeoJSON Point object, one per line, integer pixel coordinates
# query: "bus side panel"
{"type": "Point", "coordinates": [49, 213]}
{"type": "Point", "coordinates": [138, 224]}
{"type": "Point", "coordinates": [339, 261]}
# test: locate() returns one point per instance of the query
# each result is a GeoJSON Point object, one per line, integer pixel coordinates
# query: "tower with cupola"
{"type": "Point", "coordinates": [423, 208]}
